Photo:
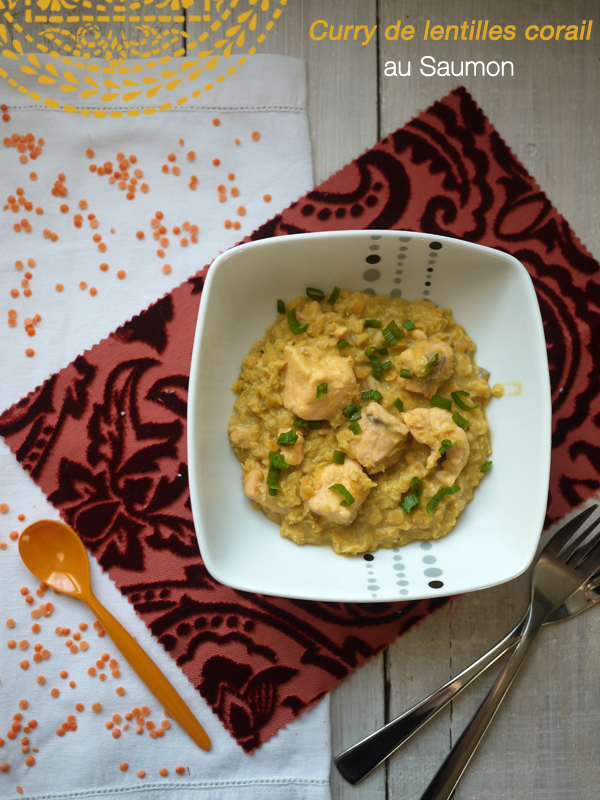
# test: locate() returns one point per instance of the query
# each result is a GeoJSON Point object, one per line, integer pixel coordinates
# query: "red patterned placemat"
{"type": "Point", "coordinates": [105, 437]}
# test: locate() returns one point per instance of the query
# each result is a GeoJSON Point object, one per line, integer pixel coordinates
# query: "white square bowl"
{"type": "Point", "coordinates": [491, 296]}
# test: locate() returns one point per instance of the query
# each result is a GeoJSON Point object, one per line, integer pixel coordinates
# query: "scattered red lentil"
{"type": "Point", "coordinates": [64, 673]}
{"type": "Point", "coordinates": [23, 644]}
{"type": "Point", "coordinates": [36, 627]}
{"type": "Point", "coordinates": [166, 268]}
{"type": "Point", "coordinates": [237, 225]}
{"type": "Point", "coordinates": [141, 773]}
{"type": "Point", "coordinates": [140, 234]}
{"type": "Point", "coordinates": [216, 162]}
{"type": "Point", "coordinates": [83, 285]}
{"type": "Point", "coordinates": [163, 771]}
{"type": "Point", "coordinates": [116, 733]}
{"type": "Point", "coordinates": [4, 767]}
{"type": "Point", "coordinates": [120, 275]}
{"type": "Point", "coordinates": [123, 766]}
{"type": "Point", "coordinates": [241, 211]}
{"type": "Point", "coordinates": [30, 761]}
{"type": "Point", "coordinates": [59, 287]}
{"type": "Point", "coordinates": [41, 680]}
{"type": "Point", "coordinates": [24, 664]}
{"type": "Point", "coordinates": [180, 770]}
{"type": "Point", "coordinates": [54, 692]}
{"type": "Point", "coordinates": [89, 153]}
{"type": "Point", "coordinates": [10, 623]}
{"type": "Point", "coordinates": [234, 191]}
{"type": "Point", "coordinates": [14, 535]}
{"type": "Point", "coordinates": [120, 690]}
{"type": "Point", "coordinates": [255, 135]}
{"type": "Point", "coordinates": [267, 198]}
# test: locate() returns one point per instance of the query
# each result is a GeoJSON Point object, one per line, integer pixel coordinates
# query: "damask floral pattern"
{"type": "Point", "coordinates": [105, 437]}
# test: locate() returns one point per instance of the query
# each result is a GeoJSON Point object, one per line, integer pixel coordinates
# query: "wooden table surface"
{"type": "Point", "coordinates": [544, 744]}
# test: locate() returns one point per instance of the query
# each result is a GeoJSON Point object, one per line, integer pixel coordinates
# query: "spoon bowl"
{"type": "Point", "coordinates": [55, 554]}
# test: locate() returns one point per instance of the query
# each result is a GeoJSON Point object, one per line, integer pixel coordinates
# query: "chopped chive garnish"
{"type": "Point", "coordinates": [408, 324]}
{"type": "Point", "coordinates": [372, 394]}
{"type": "Point", "coordinates": [295, 327]}
{"type": "Point", "coordinates": [399, 404]}
{"type": "Point", "coordinates": [383, 351]}
{"type": "Point", "coordinates": [273, 480]}
{"type": "Point", "coordinates": [370, 350]}
{"type": "Point", "coordinates": [352, 412]}
{"type": "Point", "coordinates": [321, 390]}
{"type": "Point", "coordinates": [334, 296]}
{"type": "Point", "coordinates": [406, 373]}
{"type": "Point", "coordinates": [392, 333]}
{"type": "Point", "coordinates": [441, 402]}
{"type": "Point", "coordinates": [373, 323]}
{"type": "Point", "coordinates": [348, 499]}
{"type": "Point", "coordinates": [432, 363]}
{"type": "Point", "coordinates": [299, 423]}
{"type": "Point", "coordinates": [355, 428]}
{"type": "Point", "coordinates": [460, 421]}
{"type": "Point", "coordinates": [456, 396]}
{"type": "Point", "coordinates": [431, 505]}
{"type": "Point", "coordinates": [344, 343]}
{"type": "Point", "coordinates": [315, 424]}
{"type": "Point", "coordinates": [386, 365]}
{"type": "Point", "coordinates": [277, 460]}
{"type": "Point", "coordinates": [486, 466]}
{"type": "Point", "coordinates": [280, 307]}
{"type": "Point", "coordinates": [377, 368]}
{"type": "Point", "coordinates": [338, 457]}
{"type": "Point", "coordinates": [314, 294]}
{"type": "Point", "coordinates": [288, 439]}
{"type": "Point", "coordinates": [446, 445]}
{"type": "Point", "coordinates": [416, 486]}
{"type": "Point", "coordinates": [410, 501]}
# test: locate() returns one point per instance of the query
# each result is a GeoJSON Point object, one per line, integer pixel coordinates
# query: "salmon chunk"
{"type": "Point", "coordinates": [379, 445]}
{"type": "Point", "coordinates": [255, 487]}
{"type": "Point", "coordinates": [302, 377]}
{"type": "Point", "coordinates": [432, 426]}
{"type": "Point", "coordinates": [325, 502]}
{"type": "Point", "coordinates": [240, 437]}
{"type": "Point", "coordinates": [430, 362]}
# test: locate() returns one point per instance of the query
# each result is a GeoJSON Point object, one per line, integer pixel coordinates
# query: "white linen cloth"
{"type": "Point", "coordinates": [267, 95]}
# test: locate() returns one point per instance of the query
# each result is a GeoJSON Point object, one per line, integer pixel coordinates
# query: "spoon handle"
{"type": "Point", "coordinates": [149, 673]}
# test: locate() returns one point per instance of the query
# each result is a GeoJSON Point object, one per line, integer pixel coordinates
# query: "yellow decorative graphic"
{"type": "Point", "coordinates": [156, 31]}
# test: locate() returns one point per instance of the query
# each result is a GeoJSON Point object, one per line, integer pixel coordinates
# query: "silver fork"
{"type": "Point", "coordinates": [358, 761]}
{"type": "Point", "coordinates": [566, 564]}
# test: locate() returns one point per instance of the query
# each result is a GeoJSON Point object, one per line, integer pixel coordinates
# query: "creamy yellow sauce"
{"type": "Point", "coordinates": [400, 435]}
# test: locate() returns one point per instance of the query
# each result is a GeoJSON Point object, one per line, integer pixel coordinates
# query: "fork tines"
{"type": "Point", "coordinates": [566, 540]}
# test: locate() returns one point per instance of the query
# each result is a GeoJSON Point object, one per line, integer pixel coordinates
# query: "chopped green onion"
{"type": "Point", "coordinates": [373, 323]}
{"type": "Point", "coordinates": [441, 402]}
{"type": "Point", "coordinates": [399, 404]}
{"type": "Point", "coordinates": [383, 351]}
{"type": "Point", "coordinates": [338, 457]}
{"type": "Point", "coordinates": [431, 505]}
{"type": "Point", "coordinates": [386, 365]}
{"type": "Point", "coordinates": [486, 466]}
{"type": "Point", "coordinates": [352, 412]}
{"type": "Point", "coordinates": [299, 423]}
{"type": "Point", "coordinates": [280, 307]}
{"type": "Point", "coordinates": [370, 350]}
{"type": "Point", "coordinates": [416, 486]}
{"type": "Point", "coordinates": [432, 363]}
{"type": "Point", "coordinates": [410, 501]}
{"type": "Point", "coordinates": [315, 294]}
{"type": "Point", "coordinates": [377, 368]}
{"type": "Point", "coordinates": [334, 296]}
{"type": "Point", "coordinates": [295, 327]}
{"type": "Point", "coordinates": [273, 480]}
{"type": "Point", "coordinates": [321, 390]}
{"type": "Point", "coordinates": [408, 324]}
{"type": "Point", "coordinates": [446, 445]}
{"type": "Point", "coordinates": [392, 333]}
{"type": "Point", "coordinates": [277, 460]}
{"type": "Point", "coordinates": [460, 421]}
{"type": "Point", "coordinates": [315, 424]}
{"type": "Point", "coordinates": [355, 428]}
{"type": "Point", "coordinates": [344, 343]}
{"type": "Point", "coordinates": [456, 396]}
{"type": "Point", "coordinates": [372, 394]}
{"type": "Point", "coordinates": [288, 439]}
{"type": "Point", "coordinates": [406, 373]}
{"type": "Point", "coordinates": [348, 499]}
